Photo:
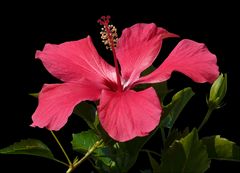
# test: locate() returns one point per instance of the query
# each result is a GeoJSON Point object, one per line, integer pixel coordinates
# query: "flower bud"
{"type": "Point", "coordinates": [218, 91]}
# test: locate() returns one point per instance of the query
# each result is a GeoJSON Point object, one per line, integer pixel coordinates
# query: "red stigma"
{"type": "Point", "coordinates": [104, 20]}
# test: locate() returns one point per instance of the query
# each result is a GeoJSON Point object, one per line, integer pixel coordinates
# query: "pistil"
{"type": "Point", "coordinates": [109, 38]}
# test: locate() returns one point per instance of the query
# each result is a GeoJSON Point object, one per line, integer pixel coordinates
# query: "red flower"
{"type": "Point", "coordinates": [123, 112]}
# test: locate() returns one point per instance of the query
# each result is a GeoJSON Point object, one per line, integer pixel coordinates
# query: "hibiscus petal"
{"type": "Point", "coordinates": [70, 61]}
{"type": "Point", "coordinates": [57, 101]}
{"type": "Point", "coordinates": [125, 115]}
{"type": "Point", "coordinates": [138, 47]}
{"type": "Point", "coordinates": [190, 58]}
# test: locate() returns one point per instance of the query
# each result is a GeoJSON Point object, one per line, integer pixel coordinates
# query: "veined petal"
{"type": "Point", "coordinates": [57, 101]}
{"type": "Point", "coordinates": [71, 61]}
{"type": "Point", "coordinates": [138, 47]}
{"type": "Point", "coordinates": [125, 115]}
{"type": "Point", "coordinates": [190, 58]}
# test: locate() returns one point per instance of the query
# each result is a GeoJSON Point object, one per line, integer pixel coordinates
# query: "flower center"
{"type": "Point", "coordinates": [109, 38]}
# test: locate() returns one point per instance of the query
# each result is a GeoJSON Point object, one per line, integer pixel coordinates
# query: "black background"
{"type": "Point", "coordinates": [24, 30]}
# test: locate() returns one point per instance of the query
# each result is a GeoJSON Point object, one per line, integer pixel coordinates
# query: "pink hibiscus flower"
{"type": "Point", "coordinates": [123, 112]}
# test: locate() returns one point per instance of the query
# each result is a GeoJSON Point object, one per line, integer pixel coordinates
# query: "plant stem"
{"type": "Point", "coordinates": [209, 112]}
{"type": "Point", "coordinates": [64, 152]}
{"type": "Point", "coordinates": [90, 151]}
{"type": "Point", "coordinates": [150, 151]}
{"type": "Point", "coordinates": [59, 161]}
{"type": "Point", "coordinates": [163, 135]}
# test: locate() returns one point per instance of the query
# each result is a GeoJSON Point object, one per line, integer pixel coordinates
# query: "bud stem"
{"type": "Point", "coordinates": [209, 112]}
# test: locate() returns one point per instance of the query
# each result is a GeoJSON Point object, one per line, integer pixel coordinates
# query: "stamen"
{"type": "Point", "coordinates": [109, 38]}
{"type": "Point", "coordinates": [109, 34]}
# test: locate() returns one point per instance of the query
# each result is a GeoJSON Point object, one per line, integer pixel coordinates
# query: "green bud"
{"type": "Point", "coordinates": [218, 91]}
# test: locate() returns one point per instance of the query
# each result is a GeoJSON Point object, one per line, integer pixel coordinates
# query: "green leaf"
{"type": "Point", "coordinates": [83, 141]}
{"type": "Point", "coordinates": [34, 95]}
{"type": "Point", "coordinates": [88, 113]}
{"type": "Point", "coordinates": [185, 155]}
{"type": "Point", "coordinates": [145, 171]}
{"type": "Point", "coordinates": [175, 134]}
{"type": "Point", "coordinates": [29, 147]}
{"type": "Point", "coordinates": [148, 71]}
{"type": "Point", "coordinates": [160, 88]}
{"type": "Point", "coordinates": [127, 152]}
{"type": "Point", "coordinates": [221, 148]}
{"type": "Point", "coordinates": [115, 157]}
{"type": "Point", "coordinates": [111, 157]}
{"type": "Point", "coordinates": [154, 164]}
{"type": "Point", "coordinates": [173, 109]}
